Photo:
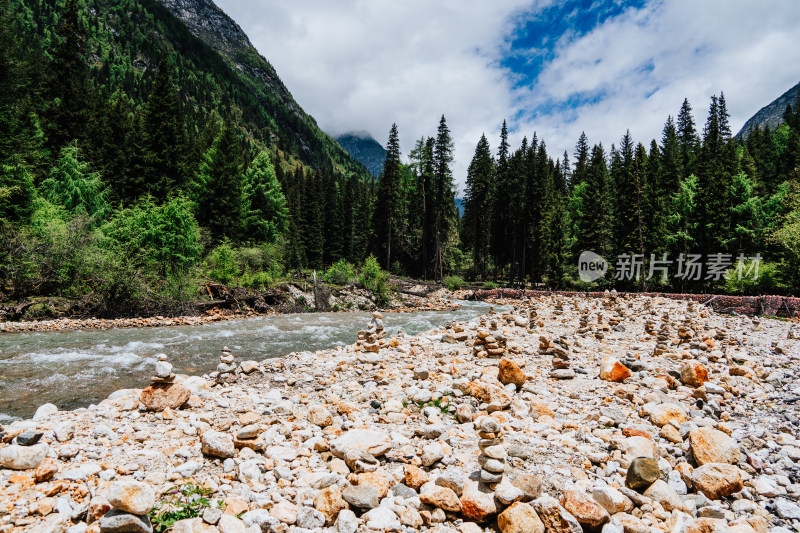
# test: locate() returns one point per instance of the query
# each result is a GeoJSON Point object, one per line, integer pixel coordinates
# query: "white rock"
{"type": "Point", "coordinates": [787, 509]}
{"type": "Point", "coordinates": [18, 457]}
{"type": "Point", "coordinates": [382, 519]}
{"type": "Point", "coordinates": [366, 440]}
{"type": "Point", "coordinates": [132, 497]}
{"type": "Point", "coordinates": [346, 522]}
{"type": "Point", "coordinates": [44, 411]}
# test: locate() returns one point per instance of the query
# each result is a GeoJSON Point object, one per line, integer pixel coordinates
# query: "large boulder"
{"type": "Point", "coordinates": [477, 504]}
{"type": "Point", "coordinates": [642, 472]}
{"type": "Point", "coordinates": [667, 413]}
{"type": "Point", "coordinates": [159, 396]}
{"type": "Point", "coordinates": [717, 480]}
{"type": "Point", "coordinates": [17, 457]}
{"type": "Point", "coordinates": [217, 444]}
{"type": "Point", "coordinates": [510, 372]}
{"type": "Point", "coordinates": [520, 518]}
{"type": "Point", "coordinates": [591, 515]}
{"type": "Point", "coordinates": [694, 374]}
{"type": "Point", "coordinates": [555, 518]}
{"type": "Point", "coordinates": [365, 440]}
{"type": "Point", "coordinates": [709, 445]}
{"type": "Point", "coordinates": [132, 497]}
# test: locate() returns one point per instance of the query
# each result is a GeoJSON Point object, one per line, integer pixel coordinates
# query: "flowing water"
{"type": "Point", "coordinates": [76, 368]}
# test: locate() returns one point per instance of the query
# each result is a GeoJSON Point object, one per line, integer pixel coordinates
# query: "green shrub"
{"type": "Point", "coordinates": [453, 283]}
{"type": "Point", "coordinates": [340, 273]}
{"type": "Point", "coordinates": [258, 280]}
{"type": "Point", "coordinates": [489, 285]}
{"type": "Point", "coordinates": [767, 281]}
{"type": "Point", "coordinates": [222, 264]}
{"type": "Point", "coordinates": [374, 279]}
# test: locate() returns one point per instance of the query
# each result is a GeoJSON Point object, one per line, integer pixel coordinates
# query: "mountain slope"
{"type": "Point", "coordinates": [217, 30]}
{"type": "Point", "coordinates": [365, 150]}
{"type": "Point", "coordinates": [772, 114]}
{"type": "Point", "coordinates": [215, 67]}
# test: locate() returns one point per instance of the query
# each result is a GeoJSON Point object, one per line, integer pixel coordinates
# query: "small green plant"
{"type": "Point", "coordinates": [489, 285]}
{"type": "Point", "coordinates": [453, 283]}
{"type": "Point", "coordinates": [340, 273]}
{"type": "Point", "coordinates": [179, 503]}
{"type": "Point", "coordinates": [438, 404]}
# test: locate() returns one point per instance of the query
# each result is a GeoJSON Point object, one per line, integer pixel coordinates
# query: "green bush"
{"type": "Point", "coordinates": [489, 285]}
{"type": "Point", "coordinates": [374, 279]}
{"type": "Point", "coordinates": [453, 283]}
{"type": "Point", "coordinates": [767, 281]}
{"type": "Point", "coordinates": [257, 280]}
{"type": "Point", "coordinates": [340, 273]}
{"type": "Point", "coordinates": [222, 264]}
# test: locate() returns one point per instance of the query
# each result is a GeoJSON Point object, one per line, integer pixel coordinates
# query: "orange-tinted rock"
{"type": "Point", "coordinates": [46, 470]}
{"type": "Point", "coordinates": [612, 370]}
{"type": "Point", "coordinates": [694, 374]}
{"type": "Point", "coordinates": [159, 396]}
{"type": "Point", "coordinates": [329, 502]}
{"type": "Point", "coordinates": [717, 480]}
{"type": "Point", "coordinates": [709, 445]}
{"type": "Point", "coordinates": [520, 518]}
{"type": "Point", "coordinates": [415, 476]}
{"type": "Point", "coordinates": [510, 372]}
{"type": "Point", "coordinates": [589, 513]}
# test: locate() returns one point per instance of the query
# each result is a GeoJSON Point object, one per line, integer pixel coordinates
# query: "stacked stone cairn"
{"type": "Point", "coordinates": [25, 452]}
{"type": "Point", "coordinates": [226, 369]}
{"type": "Point", "coordinates": [489, 345]}
{"type": "Point", "coordinates": [130, 501]}
{"type": "Point", "coordinates": [662, 339]}
{"type": "Point", "coordinates": [492, 458]}
{"type": "Point", "coordinates": [163, 392]}
{"type": "Point", "coordinates": [369, 340]}
{"type": "Point", "coordinates": [163, 373]}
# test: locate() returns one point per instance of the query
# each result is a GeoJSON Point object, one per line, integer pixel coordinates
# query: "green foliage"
{"type": "Point", "coordinates": [222, 264]}
{"type": "Point", "coordinates": [180, 503]}
{"type": "Point", "coordinates": [162, 237]}
{"type": "Point", "coordinates": [374, 279]}
{"type": "Point", "coordinates": [453, 283]}
{"type": "Point", "coordinates": [17, 194]}
{"type": "Point", "coordinates": [489, 285]}
{"type": "Point", "coordinates": [745, 281]}
{"type": "Point", "coordinates": [266, 214]}
{"type": "Point", "coordinates": [340, 273]}
{"type": "Point", "coordinates": [72, 185]}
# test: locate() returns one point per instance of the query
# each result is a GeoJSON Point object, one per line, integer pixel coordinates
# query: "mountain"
{"type": "Point", "coordinates": [365, 150]}
{"type": "Point", "coordinates": [772, 114]}
{"type": "Point", "coordinates": [214, 64]}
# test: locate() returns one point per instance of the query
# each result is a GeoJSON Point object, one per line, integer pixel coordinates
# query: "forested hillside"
{"type": "Point", "coordinates": [139, 160]}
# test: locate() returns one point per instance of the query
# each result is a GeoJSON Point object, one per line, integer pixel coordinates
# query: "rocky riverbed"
{"type": "Point", "coordinates": [612, 415]}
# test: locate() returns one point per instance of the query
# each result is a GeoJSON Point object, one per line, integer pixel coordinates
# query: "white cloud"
{"type": "Point", "coordinates": [363, 64]}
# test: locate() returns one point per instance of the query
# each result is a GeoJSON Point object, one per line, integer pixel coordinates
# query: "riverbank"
{"type": "Point", "coordinates": [292, 300]}
{"type": "Point", "coordinates": [622, 415]}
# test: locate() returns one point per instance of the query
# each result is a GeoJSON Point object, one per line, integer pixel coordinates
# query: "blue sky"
{"type": "Point", "coordinates": [554, 68]}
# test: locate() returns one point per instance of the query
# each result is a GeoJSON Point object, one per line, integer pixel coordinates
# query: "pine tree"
{"type": "Point", "coordinates": [387, 207]}
{"type": "Point", "coordinates": [478, 204]}
{"type": "Point", "coordinates": [581, 160]}
{"type": "Point", "coordinates": [264, 203]}
{"type": "Point", "coordinates": [17, 194]}
{"type": "Point", "coordinates": [687, 135]}
{"type": "Point", "coordinates": [163, 157]}
{"type": "Point", "coordinates": [595, 228]}
{"type": "Point", "coordinates": [218, 187]}
{"type": "Point", "coordinates": [74, 186]}
{"type": "Point", "coordinates": [443, 195]}
{"type": "Point", "coordinates": [68, 89]}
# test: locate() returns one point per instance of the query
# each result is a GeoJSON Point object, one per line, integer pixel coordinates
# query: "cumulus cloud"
{"type": "Point", "coordinates": [364, 64]}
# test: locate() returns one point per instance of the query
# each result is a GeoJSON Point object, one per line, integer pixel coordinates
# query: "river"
{"type": "Point", "coordinates": [73, 369]}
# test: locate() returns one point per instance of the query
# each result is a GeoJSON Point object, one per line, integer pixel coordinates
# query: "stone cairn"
{"type": "Point", "coordinates": [369, 340]}
{"type": "Point", "coordinates": [489, 345]}
{"type": "Point", "coordinates": [662, 339]}
{"type": "Point", "coordinates": [492, 458]}
{"type": "Point", "coordinates": [226, 369]}
{"type": "Point", "coordinates": [163, 373]}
